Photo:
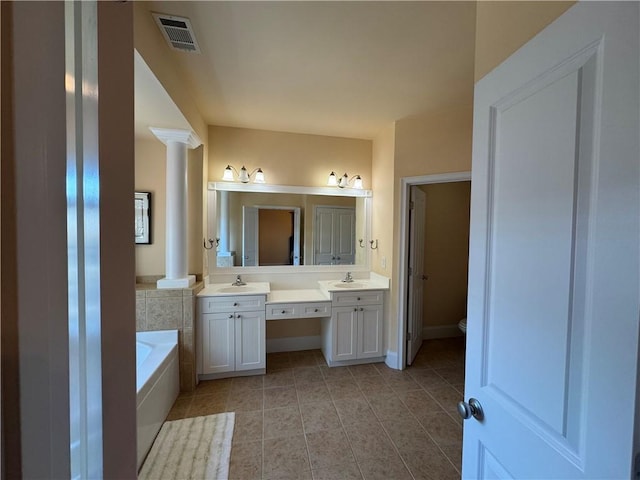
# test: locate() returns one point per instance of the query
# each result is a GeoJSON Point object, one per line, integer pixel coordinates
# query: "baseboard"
{"type": "Point", "coordinates": [391, 360]}
{"type": "Point", "coordinates": [293, 344]}
{"type": "Point", "coordinates": [441, 331]}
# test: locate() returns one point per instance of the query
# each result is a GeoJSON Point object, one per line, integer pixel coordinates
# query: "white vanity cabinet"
{"type": "Point", "coordinates": [354, 333]}
{"type": "Point", "coordinates": [233, 334]}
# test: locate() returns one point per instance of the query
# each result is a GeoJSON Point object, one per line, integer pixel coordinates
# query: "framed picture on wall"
{"type": "Point", "coordinates": [142, 203]}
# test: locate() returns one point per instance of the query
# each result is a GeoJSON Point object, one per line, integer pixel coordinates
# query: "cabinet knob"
{"type": "Point", "coordinates": [315, 309]}
{"type": "Point", "coordinates": [283, 312]}
{"type": "Point", "coordinates": [238, 316]}
{"type": "Point", "coordinates": [231, 316]}
{"type": "Point", "coordinates": [235, 304]}
{"type": "Point", "coordinates": [358, 298]}
{"type": "Point", "coordinates": [361, 309]}
{"type": "Point", "coordinates": [355, 309]}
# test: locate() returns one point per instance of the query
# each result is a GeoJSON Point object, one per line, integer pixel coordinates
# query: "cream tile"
{"type": "Point", "coordinates": [246, 461]}
{"type": "Point", "coordinates": [365, 370]}
{"type": "Point", "coordinates": [430, 465]}
{"type": "Point", "coordinates": [402, 384]}
{"type": "Point", "coordinates": [408, 435]}
{"type": "Point", "coordinates": [281, 378]}
{"type": "Point", "coordinates": [313, 392]}
{"type": "Point", "coordinates": [442, 429]}
{"type": "Point", "coordinates": [179, 409]}
{"type": "Point", "coordinates": [303, 359]}
{"type": "Point", "coordinates": [188, 311]}
{"type": "Point", "coordinates": [427, 377]}
{"type": "Point", "coordinates": [278, 397]}
{"type": "Point", "coordinates": [385, 468]}
{"type": "Point", "coordinates": [355, 411]}
{"type": "Point", "coordinates": [388, 406]}
{"type": "Point", "coordinates": [419, 403]}
{"type": "Point", "coordinates": [282, 422]}
{"type": "Point", "coordinates": [245, 401]}
{"type": "Point", "coordinates": [343, 388]}
{"type": "Point", "coordinates": [344, 471]}
{"type": "Point", "coordinates": [319, 416]}
{"type": "Point", "coordinates": [244, 384]}
{"type": "Point", "coordinates": [141, 314]}
{"type": "Point", "coordinates": [452, 375]}
{"type": "Point", "coordinates": [207, 387]}
{"type": "Point", "coordinates": [305, 375]}
{"type": "Point", "coordinates": [248, 427]}
{"type": "Point", "coordinates": [164, 293]}
{"type": "Point", "coordinates": [205, 405]}
{"type": "Point", "coordinates": [335, 373]}
{"type": "Point", "coordinates": [285, 457]}
{"type": "Point", "coordinates": [164, 313]}
{"type": "Point", "coordinates": [370, 441]}
{"type": "Point", "coordinates": [328, 447]}
{"type": "Point", "coordinates": [448, 398]}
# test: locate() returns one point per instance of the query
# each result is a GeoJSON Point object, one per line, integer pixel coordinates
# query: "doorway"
{"type": "Point", "coordinates": [414, 280]}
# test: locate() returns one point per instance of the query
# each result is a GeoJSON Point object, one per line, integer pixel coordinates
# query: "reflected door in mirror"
{"type": "Point", "coordinates": [335, 231]}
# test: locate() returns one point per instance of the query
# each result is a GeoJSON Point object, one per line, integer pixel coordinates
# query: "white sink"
{"type": "Point", "coordinates": [251, 288]}
{"type": "Point", "coordinates": [348, 285]}
{"type": "Point", "coordinates": [238, 289]}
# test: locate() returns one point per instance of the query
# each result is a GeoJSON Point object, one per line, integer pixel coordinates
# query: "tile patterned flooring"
{"type": "Point", "coordinates": [304, 420]}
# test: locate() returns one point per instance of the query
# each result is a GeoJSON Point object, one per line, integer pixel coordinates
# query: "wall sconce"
{"type": "Point", "coordinates": [243, 175]}
{"type": "Point", "coordinates": [344, 181]}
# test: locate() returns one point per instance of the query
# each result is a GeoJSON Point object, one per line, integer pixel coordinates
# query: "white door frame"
{"type": "Point", "coordinates": [405, 184]}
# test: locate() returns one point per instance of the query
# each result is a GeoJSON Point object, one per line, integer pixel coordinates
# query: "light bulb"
{"type": "Point", "coordinates": [357, 183]}
{"type": "Point", "coordinates": [259, 178]}
{"type": "Point", "coordinates": [228, 174]}
{"type": "Point", "coordinates": [243, 176]}
{"type": "Point", "coordinates": [333, 181]}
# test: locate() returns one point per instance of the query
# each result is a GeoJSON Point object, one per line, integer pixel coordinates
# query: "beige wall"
{"type": "Point", "coordinates": [503, 27]}
{"type": "Point", "coordinates": [148, 41]}
{"type": "Point", "coordinates": [151, 177]}
{"type": "Point", "coordinates": [288, 158]}
{"type": "Point", "coordinates": [446, 252]}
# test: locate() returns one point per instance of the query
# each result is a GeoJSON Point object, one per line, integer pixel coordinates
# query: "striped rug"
{"type": "Point", "coordinates": [193, 448]}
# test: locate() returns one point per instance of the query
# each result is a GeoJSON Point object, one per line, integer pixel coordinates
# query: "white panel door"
{"type": "Point", "coordinates": [370, 331]}
{"type": "Point", "coordinates": [344, 242]}
{"type": "Point", "coordinates": [552, 332]}
{"type": "Point", "coordinates": [344, 333]}
{"type": "Point", "coordinates": [415, 300]}
{"type": "Point", "coordinates": [218, 345]}
{"type": "Point", "coordinates": [250, 340]}
{"type": "Point", "coordinates": [323, 237]}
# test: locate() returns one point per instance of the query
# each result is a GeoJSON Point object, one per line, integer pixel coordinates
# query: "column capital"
{"type": "Point", "coordinates": [166, 135]}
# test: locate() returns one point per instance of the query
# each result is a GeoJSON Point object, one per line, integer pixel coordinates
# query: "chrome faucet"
{"type": "Point", "coordinates": [238, 282]}
{"type": "Point", "coordinates": [348, 278]}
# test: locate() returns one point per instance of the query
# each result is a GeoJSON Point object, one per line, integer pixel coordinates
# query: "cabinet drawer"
{"type": "Point", "coordinates": [362, 297]}
{"type": "Point", "coordinates": [277, 311]}
{"type": "Point", "coordinates": [232, 304]}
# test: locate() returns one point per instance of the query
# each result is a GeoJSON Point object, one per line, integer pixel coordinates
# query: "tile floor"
{"type": "Point", "coordinates": [304, 420]}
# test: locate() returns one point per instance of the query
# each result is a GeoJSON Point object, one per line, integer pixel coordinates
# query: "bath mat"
{"type": "Point", "coordinates": [194, 448]}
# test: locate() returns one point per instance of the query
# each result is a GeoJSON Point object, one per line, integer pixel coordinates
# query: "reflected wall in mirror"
{"type": "Point", "coordinates": [273, 228]}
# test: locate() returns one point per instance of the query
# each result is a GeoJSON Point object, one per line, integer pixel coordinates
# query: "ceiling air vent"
{"type": "Point", "coordinates": [178, 32]}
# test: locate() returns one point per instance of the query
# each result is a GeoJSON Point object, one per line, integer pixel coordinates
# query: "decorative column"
{"type": "Point", "coordinates": [177, 142]}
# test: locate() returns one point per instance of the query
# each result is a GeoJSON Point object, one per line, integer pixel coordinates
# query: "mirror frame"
{"type": "Point", "coordinates": [214, 187]}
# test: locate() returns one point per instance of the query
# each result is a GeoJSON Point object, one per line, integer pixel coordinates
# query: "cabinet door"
{"type": "Point", "coordinates": [344, 333]}
{"type": "Point", "coordinates": [250, 340]}
{"type": "Point", "coordinates": [370, 331]}
{"type": "Point", "coordinates": [218, 347]}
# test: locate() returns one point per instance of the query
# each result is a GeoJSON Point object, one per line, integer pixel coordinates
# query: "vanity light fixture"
{"type": "Point", "coordinates": [243, 175]}
{"type": "Point", "coordinates": [345, 181]}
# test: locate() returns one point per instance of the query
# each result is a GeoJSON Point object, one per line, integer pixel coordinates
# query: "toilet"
{"type": "Point", "coordinates": [462, 325]}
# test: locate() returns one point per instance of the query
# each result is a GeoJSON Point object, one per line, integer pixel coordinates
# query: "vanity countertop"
{"type": "Point", "coordinates": [228, 289]}
{"type": "Point", "coordinates": [297, 296]}
{"type": "Point", "coordinates": [329, 286]}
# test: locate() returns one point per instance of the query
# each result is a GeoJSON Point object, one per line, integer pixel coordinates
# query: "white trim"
{"type": "Point", "coordinates": [167, 135]}
{"type": "Point", "coordinates": [185, 282]}
{"type": "Point", "coordinates": [403, 260]}
{"type": "Point", "coordinates": [293, 344]}
{"type": "Point", "coordinates": [262, 188]}
{"type": "Point", "coordinates": [391, 360]}
{"type": "Point", "coordinates": [441, 331]}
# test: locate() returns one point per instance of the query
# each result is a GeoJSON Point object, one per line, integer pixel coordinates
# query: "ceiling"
{"type": "Point", "coordinates": [343, 69]}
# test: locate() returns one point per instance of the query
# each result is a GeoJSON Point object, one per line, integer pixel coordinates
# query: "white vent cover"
{"type": "Point", "coordinates": [178, 32]}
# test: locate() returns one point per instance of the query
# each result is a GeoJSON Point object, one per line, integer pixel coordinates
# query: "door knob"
{"type": "Point", "coordinates": [471, 409]}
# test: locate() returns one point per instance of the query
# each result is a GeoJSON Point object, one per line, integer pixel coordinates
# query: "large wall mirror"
{"type": "Point", "coordinates": [269, 225]}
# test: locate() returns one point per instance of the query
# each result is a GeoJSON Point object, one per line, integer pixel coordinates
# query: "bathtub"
{"type": "Point", "coordinates": [157, 382]}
